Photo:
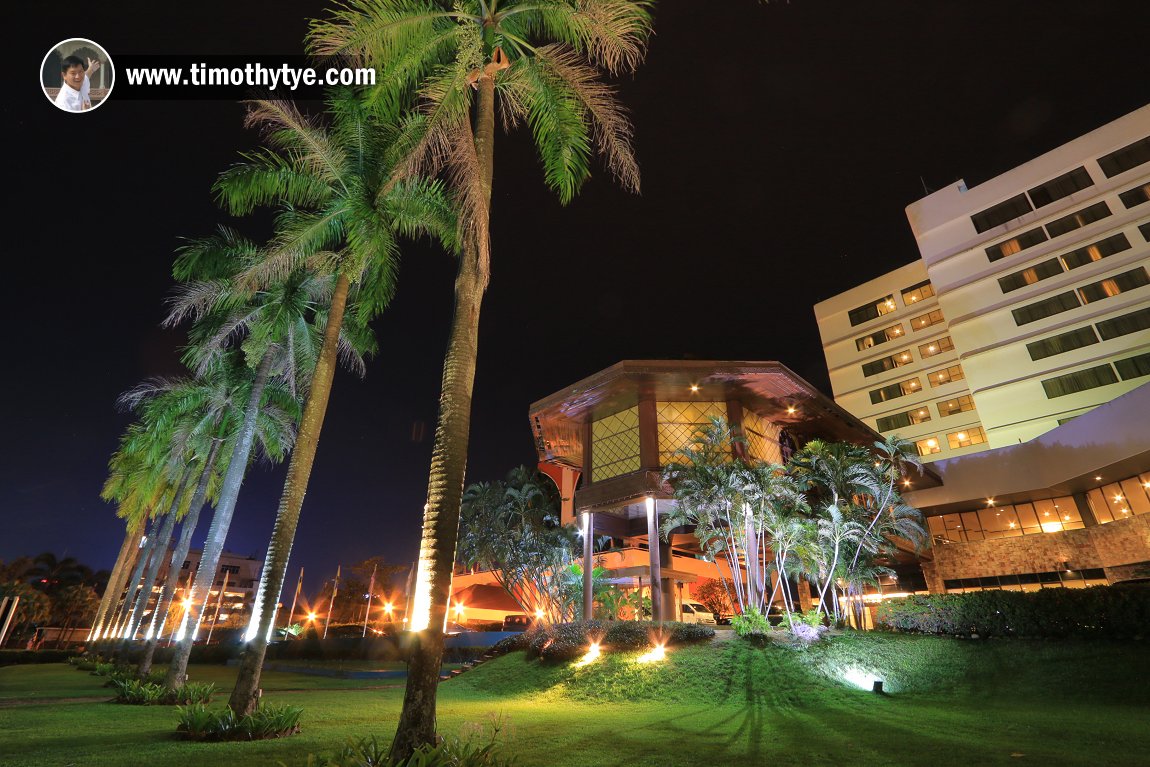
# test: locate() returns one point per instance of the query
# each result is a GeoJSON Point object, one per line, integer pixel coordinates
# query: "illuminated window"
{"type": "Point", "coordinates": [1061, 343]}
{"type": "Point", "coordinates": [681, 423]}
{"type": "Point", "coordinates": [965, 438]}
{"type": "Point", "coordinates": [894, 391]}
{"type": "Point", "coordinates": [1041, 271]}
{"type": "Point", "coordinates": [762, 438]}
{"type": "Point", "coordinates": [898, 359]}
{"type": "Point", "coordinates": [1047, 307]}
{"type": "Point", "coordinates": [954, 406]}
{"type": "Point", "coordinates": [1016, 244]}
{"type": "Point", "coordinates": [1078, 219]}
{"type": "Point", "coordinates": [926, 320]}
{"type": "Point", "coordinates": [868, 312]}
{"type": "Point", "coordinates": [946, 375]}
{"type": "Point", "coordinates": [928, 446]}
{"type": "Point", "coordinates": [1096, 251]}
{"type": "Point", "coordinates": [1058, 188]}
{"type": "Point", "coordinates": [615, 445]}
{"type": "Point", "coordinates": [932, 348]}
{"type": "Point", "coordinates": [881, 337]}
{"type": "Point", "coordinates": [1112, 286]}
{"type": "Point", "coordinates": [916, 293]}
{"type": "Point", "coordinates": [902, 420]}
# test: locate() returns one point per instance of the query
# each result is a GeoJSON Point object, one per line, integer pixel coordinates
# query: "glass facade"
{"type": "Point", "coordinates": [1054, 579]}
{"type": "Point", "coordinates": [1052, 515]}
{"type": "Point", "coordinates": [762, 438]}
{"type": "Point", "coordinates": [1127, 498]}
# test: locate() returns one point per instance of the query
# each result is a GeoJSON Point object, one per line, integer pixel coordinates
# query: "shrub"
{"type": "Point", "coordinates": [137, 693]}
{"type": "Point", "coordinates": [569, 641]}
{"type": "Point", "coordinates": [19, 657]}
{"type": "Point", "coordinates": [197, 722]}
{"type": "Point", "coordinates": [450, 752]}
{"type": "Point", "coordinates": [751, 624]}
{"type": "Point", "coordinates": [192, 692]}
{"type": "Point", "coordinates": [1097, 611]}
{"type": "Point", "coordinates": [804, 634]}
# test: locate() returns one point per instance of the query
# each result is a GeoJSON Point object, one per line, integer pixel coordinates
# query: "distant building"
{"type": "Point", "coordinates": [1029, 307]}
{"type": "Point", "coordinates": [243, 576]}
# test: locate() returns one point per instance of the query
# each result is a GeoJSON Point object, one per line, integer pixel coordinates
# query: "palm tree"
{"type": "Point", "coordinates": [273, 325]}
{"type": "Point", "coordinates": [344, 220]}
{"type": "Point", "coordinates": [541, 58]}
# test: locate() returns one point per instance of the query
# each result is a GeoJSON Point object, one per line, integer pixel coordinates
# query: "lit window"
{"type": "Point", "coordinates": [943, 344]}
{"type": "Point", "coordinates": [928, 446]}
{"type": "Point", "coordinates": [965, 438]}
{"type": "Point", "coordinates": [946, 375]}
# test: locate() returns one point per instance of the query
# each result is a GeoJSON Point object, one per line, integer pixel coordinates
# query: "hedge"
{"type": "Point", "coordinates": [568, 641]}
{"type": "Point", "coordinates": [1098, 611]}
{"type": "Point", "coordinates": [18, 657]}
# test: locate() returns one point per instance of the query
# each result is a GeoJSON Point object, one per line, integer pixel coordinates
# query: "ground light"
{"type": "Point", "coordinates": [656, 653]}
{"type": "Point", "coordinates": [591, 656]}
{"type": "Point", "coordinates": [863, 680]}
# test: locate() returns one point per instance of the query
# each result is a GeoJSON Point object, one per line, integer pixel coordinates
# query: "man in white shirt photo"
{"type": "Point", "coordinates": [73, 95]}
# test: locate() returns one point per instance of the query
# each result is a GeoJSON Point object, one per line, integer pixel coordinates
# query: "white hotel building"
{"type": "Point", "coordinates": [1030, 304]}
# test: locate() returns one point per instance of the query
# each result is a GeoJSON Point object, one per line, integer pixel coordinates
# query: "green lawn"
{"type": "Point", "coordinates": [952, 702]}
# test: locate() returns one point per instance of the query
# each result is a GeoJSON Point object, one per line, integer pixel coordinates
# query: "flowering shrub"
{"type": "Point", "coordinates": [805, 634]}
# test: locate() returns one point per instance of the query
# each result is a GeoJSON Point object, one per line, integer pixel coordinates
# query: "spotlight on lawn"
{"type": "Point", "coordinates": [591, 656]}
{"type": "Point", "coordinates": [656, 653]}
{"type": "Point", "coordinates": [863, 680]}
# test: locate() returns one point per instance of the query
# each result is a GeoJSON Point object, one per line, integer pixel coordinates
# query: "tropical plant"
{"type": "Point", "coordinates": [539, 60]}
{"type": "Point", "coordinates": [343, 219]}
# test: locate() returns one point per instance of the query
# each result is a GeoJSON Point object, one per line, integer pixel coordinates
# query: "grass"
{"type": "Point", "coordinates": [953, 702]}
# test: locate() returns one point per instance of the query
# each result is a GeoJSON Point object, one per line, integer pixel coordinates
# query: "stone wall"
{"type": "Point", "coordinates": [1115, 546]}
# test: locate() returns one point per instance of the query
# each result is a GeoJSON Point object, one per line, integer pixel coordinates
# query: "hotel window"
{"type": "Point", "coordinates": [1129, 156]}
{"type": "Point", "coordinates": [1047, 307]}
{"type": "Point", "coordinates": [1036, 273]}
{"type": "Point", "coordinates": [1016, 244]}
{"type": "Point", "coordinates": [1071, 579]}
{"type": "Point", "coordinates": [1145, 229]}
{"type": "Point", "coordinates": [1063, 186]}
{"type": "Point", "coordinates": [1133, 367]}
{"type": "Point", "coordinates": [1135, 196]}
{"type": "Point", "coordinates": [903, 420]}
{"type": "Point", "coordinates": [995, 215]}
{"type": "Point", "coordinates": [1078, 219]}
{"type": "Point", "coordinates": [955, 406]}
{"type": "Point", "coordinates": [894, 391]}
{"type": "Point", "coordinates": [1121, 500]}
{"type": "Point", "coordinates": [1072, 383]}
{"type": "Point", "coordinates": [1124, 324]}
{"type": "Point", "coordinates": [1112, 286]}
{"type": "Point", "coordinates": [232, 569]}
{"type": "Point", "coordinates": [1011, 521]}
{"type": "Point", "coordinates": [943, 344]}
{"type": "Point", "coordinates": [965, 438]}
{"type": "Point", "coordinates": [926, 320]}
{"type": "Point", "coordinates": [1115, 243]}
{"type": "Point", "coordinates": [946, 375]}
{"type": "Point", "coordinates": [887, 363]}
{"type": "Point", "coordinates": [916, 293]}
{"type": "Point", "coordinates": [1061, 343]}
{"type": "Point", "coordinates": [928, 446]}
{"type": "Point", "coordinates": [881, 337]}
{"type": "Point", "coordinates": [868, 312]}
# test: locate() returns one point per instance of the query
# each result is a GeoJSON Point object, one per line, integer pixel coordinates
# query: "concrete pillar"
{"type": "Point", "coordinates": [1084, 510]}
{"type": "Point", "coordinates": [588, 564]}
{"type": "Point", "coordinates": [656, 565]}
{"type": "Point", "coordinates": [670, 598]}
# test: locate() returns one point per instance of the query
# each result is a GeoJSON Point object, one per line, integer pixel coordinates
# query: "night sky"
{"type": "Point", "coordinates": [779, 144]}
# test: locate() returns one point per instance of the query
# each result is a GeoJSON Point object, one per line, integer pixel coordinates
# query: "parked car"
{"type": "Point", "coordinates": [693, 612]}
{"type": "Point", "coordinates": [519, 622]}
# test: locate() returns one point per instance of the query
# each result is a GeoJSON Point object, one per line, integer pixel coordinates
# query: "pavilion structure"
{"type": "Point", "coordinates": [606, 439]}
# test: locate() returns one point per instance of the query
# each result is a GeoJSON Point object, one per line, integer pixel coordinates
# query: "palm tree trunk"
{"type": "Point", "coordinates": [448, 460]}
{"type": "Point", "coordinates": [159, 547]}
{"type": "Point", "coordinates": [245, 696]}
{"type": "Point", "coordinates": [116, 579]}
{"type": "Point", "coordinates": [179, 556]}
{"type": "Point", "coordinates": [115, 624]}
{"type": "Point", "coordinates": [221, 521]}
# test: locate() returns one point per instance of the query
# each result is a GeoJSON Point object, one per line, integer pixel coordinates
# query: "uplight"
{"type": "Point", "coordinates": [590, 657]}
{"type": "Point", "coordinates": [791, 410]}
{"type": "Point", "coordinates": [459, 608]}
{"type": "Point", "coordinates": [311, 616]}
{"type": "Point", "coordinates": [539, 613]}
{"type": "Point", "coordinates": [656, 653]}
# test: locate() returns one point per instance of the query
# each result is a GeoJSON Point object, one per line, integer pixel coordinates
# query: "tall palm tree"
{"type": "Point", "coordinates": [542, 58]}
{"type": "Point", "coordinates": [343, 219]}
{"type": "Point", "coordinates": [272, 328]}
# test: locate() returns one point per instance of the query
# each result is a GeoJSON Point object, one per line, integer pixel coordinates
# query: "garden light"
{"type": "Point", "coordinates": [590, 657]}
{"type": "Point", "coordinates": [656, 653]}
{"type": "Point", "coordinates": [459, 609]}
{"type": "Point", "coordinates": [311, 617]}
{"type": "Point", "coordinates": [388, 608]}
{"type": "Point", "coordinates": [539, 613]}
